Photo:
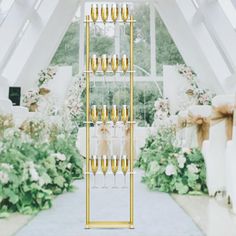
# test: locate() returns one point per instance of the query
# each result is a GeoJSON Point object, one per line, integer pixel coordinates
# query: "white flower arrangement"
{"type": "Point", "coordinates": [192, 168]}
{"type": "Point", "coordinates": [4, 178]}
{"type": "Point", "coordinates": [193, 93]}
{"type": "Point", "coordinates": [46, 75]}
{"type": "Point", "coordinates": [73, 103]}
{"type": "Point", "coordinates": [31, 97]}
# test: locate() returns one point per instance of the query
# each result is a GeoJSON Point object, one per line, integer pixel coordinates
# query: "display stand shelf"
{"type": "Point", "coordinates": [129, 223]}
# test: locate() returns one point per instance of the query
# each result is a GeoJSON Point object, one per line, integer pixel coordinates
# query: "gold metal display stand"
{"type": "Point", "coordinates": [109, 224]}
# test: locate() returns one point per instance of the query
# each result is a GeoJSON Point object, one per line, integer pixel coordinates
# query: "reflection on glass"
{"type": "Point", "coordinates": [114, 12]}
{"type": "Point", "coordinates": [104, 166]}
{"type": "Point", "coordinates": [124, 167]}
{"type": "Point", "coordinates": [114, 167]}
{"type": "Point", "coordinates": [94, 167]}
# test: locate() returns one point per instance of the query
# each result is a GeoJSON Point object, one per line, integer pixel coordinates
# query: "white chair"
{"type": "Point", "coordinates": [203, 111]}
{"type": "Point", "coordinates": [214, 150]}
{"type": "Point", "coordinates": [20, 114]}
{"type": "Point", "coordinates": [5, 106]}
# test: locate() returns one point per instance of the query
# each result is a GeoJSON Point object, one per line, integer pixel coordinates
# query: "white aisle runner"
{"type": "Point", "coordinates": [156, 214]}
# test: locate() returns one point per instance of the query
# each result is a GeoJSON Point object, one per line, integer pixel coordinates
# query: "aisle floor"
{"type": "Point", "coordinates": [155, 214]}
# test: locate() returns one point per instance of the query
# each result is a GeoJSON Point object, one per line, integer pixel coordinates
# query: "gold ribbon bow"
{"type": "Point", "coordinates": [202, 124]}
{"type": "Point", "coordinates": [224, 112]}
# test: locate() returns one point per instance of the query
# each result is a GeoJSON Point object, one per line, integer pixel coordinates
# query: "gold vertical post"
{"type": "Point", "coordinates": [87, 122]}
{"type": "Point", "coordinates": [131, 124]}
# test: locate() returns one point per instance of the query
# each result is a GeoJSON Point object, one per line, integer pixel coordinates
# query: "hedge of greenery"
{"type": "Point", "coordinates": [35, 166]}
{"type": "Point", "coordinates": [172, 169]}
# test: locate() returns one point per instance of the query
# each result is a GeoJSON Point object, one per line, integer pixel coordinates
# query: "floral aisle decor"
{"type": "Point", "coordinates": [172, 169]}
{"type": "Point", "coordinates": [194, 94]}
{"type": "Point", "coordinates": [6, 121]}
{"type": "Point", "coordinates": [30, 99]}
{"type": "Point", "coordinates": [33, 171]}
{"type": "Point", "coordinates": [73, 104]}
{"type": "Point", "coordinates": [46, 75]}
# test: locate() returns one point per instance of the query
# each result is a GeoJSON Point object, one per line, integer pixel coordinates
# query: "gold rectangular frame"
{"type": "Point", "coordinates": [109, 224]}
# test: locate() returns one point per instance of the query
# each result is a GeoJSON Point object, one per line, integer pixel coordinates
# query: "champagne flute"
{"type": "Point", "coordinates": [114, 12]}
{"type": "Point", "coordinates": [114, 63]}
{"type": "Point", "coordinates": [104, 166]}
{"type": "Point", "coordinates": [114, 167]}
{"type": "Point", "coordinates": [124, 167]}
{"type": "Point", "coordinates": [124, 114]}
{"type": "Point", "coordinates": [94, 63]}
{"type": "Point", "coordinates": [124, 63]}
{"type": "Point", "coordinates": [114, 117]}
{"type": "Point", "coordinates": [104, 114]}
{"type": "Point", "coordinates": [104, 63]}
{"type": "Point", "coordinates": [94, 117]}
{"type": "Point", "coordinates": [104, 14]}
{"type": "Point", "coordinates": [94, 14]}
{"type": "Point", "coordinates": [124, 13]}
{"type": "Point", "coordinates": [94, 167]}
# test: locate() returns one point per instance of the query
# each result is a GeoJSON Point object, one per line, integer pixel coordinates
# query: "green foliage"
{"type": "Point", "coordinates": [172, 169]}
{"type": "Point", "coordinates": [32, 172]}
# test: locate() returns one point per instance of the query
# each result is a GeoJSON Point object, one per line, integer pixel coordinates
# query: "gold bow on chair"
{"type": "Point", "coordinates": [202, 124]}
{"type": "Point", "coordinates": [224, 112]}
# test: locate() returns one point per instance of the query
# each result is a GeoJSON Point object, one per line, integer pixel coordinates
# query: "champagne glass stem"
{"type": "Point", "coordinates": [104, 177]}
{"type": "Point", "coordinates": [94, 29]}
{"type": "Point", "coordinates": [94, 181]}
{"type": "Point", "coordinates": [104, 29]}
{"type": "Point", "coordinates": [95, 129]}
{"type": "Point", "coordinates": [115, 181]}
{"type": "Point", "coordinates": [125, 181]}
{"type": "Point", "coordinates": [114, 130]}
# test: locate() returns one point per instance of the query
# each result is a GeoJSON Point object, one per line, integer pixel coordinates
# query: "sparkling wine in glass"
{"type": "Point", "coordinates": [94, 118]}
{"type": "Point", "coordinates": [94, 63]}
{"type": "Point", "coordinates": [104, 63]}
{"type": "Point", "coordinates": [114, 12]}
{"type": "Point", "coordinates": [114, 167]}
{"type": "Point", "coordinates": [124, 63]}
{"type": "Point", "coordinates": [104, 167]}
{"type": "Point", "coordinates": [104, 14]}
{"type": "Point", "coordinates": [124, 167]}
{"type": "Point", "coordinates": [114, 117]}
{"type": "Point", "coordinates": [104, 114]}
{"type": "Point", "coordinates": [94, 14]}
{"type": "Point", "coordinates": [124, 13]}
{"type": "Point", "coordinates": [94, 168]}
{"type": "Point", "coordinates": [114, 63]}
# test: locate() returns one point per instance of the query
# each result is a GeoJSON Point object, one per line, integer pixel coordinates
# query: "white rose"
{"type": "Point", "coordinates": [34, 174]}
{"type": "Point", "coordinates": [170, 170]}
{"type": "Point", "coordinates": [4, 178]}
{"type": "Point", "coordinates": [60, 156]}
{"type": "Point", "coordinates": [69, 165]}
{"type": "Point", "coordinates": [181, 161]}
{"type": "Point", "coordinates": [7, 166]}
{"type": "Point", "coordinates": [186, 150]}
{"type": "Point", "coordinates": [154, 167]}
{"type": "Point", "coordinates": [192, 168]}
